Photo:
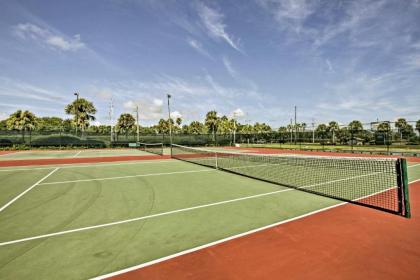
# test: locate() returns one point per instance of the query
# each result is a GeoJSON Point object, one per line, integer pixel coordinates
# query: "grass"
{"type": "Point", "coordinates": [53, 206]}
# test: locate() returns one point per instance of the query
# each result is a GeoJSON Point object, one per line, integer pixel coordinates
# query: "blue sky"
{"type": "Point", "coordinates": [335, 60]}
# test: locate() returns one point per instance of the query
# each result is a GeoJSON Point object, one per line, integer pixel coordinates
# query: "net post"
{"type": "Point", "coordinates": [215, 157]}
{"type": "Point", "coordinates": [402, 181]}
{"type": "Point", "coordinates": [406, 198]}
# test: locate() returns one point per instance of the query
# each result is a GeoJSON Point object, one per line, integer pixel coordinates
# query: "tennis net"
{"type": "Point", "coordinates": [154, 148]}
{"type": "Point", "coordinates": [379, 183]}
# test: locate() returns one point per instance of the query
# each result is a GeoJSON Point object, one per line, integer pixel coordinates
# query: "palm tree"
{"type": "Point", "coordinates": [223, 125]}
{"type": "Point", "coordinates": [126, 122]}
{"type": "Point", "coordinates": [384, 127]}
{"type": "Point", "coordinates": [22, 121]}
{"type": "Point", "coordinates": [303, 126]}
{"type": "Point", "coordinates": [212, 122]}
{"type": "Point", "coordinates": [282, 129]}
{"type": "Point", "coordinates": [418, 126]}
{"type": "Point", "coordinates": [290, 129]}
{"type": "Point", "coordinates": [83, 111]}
{"type": "Point", "coordinates": [163, 126]}
{"type": "Point", "coordinates": [178, 121]}
{"type": "Point", "coordinates": [355, 126]}
{"type": "Point", "coordinates": [177, 126]}
{"type": "Point", "coordinates": [321, 130]}
{"type": "Point", "coordinates": [247, 129]}
{"type": "Point", "coordinates": [195, 127]}
{"type": "Point", "coordinates": [333, 127]}
{"type": "Point", "coordinates": [401, 125]}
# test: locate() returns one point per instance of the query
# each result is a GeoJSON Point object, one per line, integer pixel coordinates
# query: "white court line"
{"type": "Point", "coordinates": [72, 165]}
{"type": "Point", "coordinates": [164, 213]}
{"type": "Point", "coordinates": [78, 153]}
{"type": "Point", "coordinates": [27, 190]}
{"type": "Point", "coordinates": [128, 176]}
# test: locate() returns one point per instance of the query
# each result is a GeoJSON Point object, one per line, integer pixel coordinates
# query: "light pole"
{"type": "Point", "coordinates": [234, 132]}
{"type": "Point", "coordinates": [169, 119]}
{"type": "Point", "coordinates": [137, 121]}
{"type": "Point", "coordinates": [111, 113]}
{"type": "Point", "coordinates": [77, 110]}
{"type": "Point", "coordinates": [291, 131]}
{"type": "Point", "coordinates": [313, 130]}
{"type": "Point", "coordinates": [295, 126]}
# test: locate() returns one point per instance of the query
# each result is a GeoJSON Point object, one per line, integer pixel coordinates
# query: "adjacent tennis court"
{"type": "Point", "coordinates": [49, 154]}
{"type": "Point", "coordinates": [88, 220]}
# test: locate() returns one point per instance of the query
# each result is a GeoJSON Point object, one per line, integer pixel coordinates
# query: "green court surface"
{"type": "Point", "coordinates": [82, 221]}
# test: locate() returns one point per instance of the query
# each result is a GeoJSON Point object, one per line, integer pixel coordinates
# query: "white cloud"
{"type": "Point", "coordinates": [3, 116]}
{"type": "Point", "coordinates": [355, 21]}
{"type": "Point", "coordinates": [329, 65]}
{"type": "Point", "coordinates": [213, 21]}
{"type": "Point", "coordinates": [192, 97]}
{"type": "Point", "coordinates": [198, 47]}
{"type": "Point", "coordinates": [158, 102]}
{"type": "Point", "coordinates": [175, 115]}
{"type": "Point", "coordinates": [104, 94]}
{"type": "Point", "coordinates": [412, 61]}
{"type": "Point", "coordinates": [290, 14]}
{"type": "Point", "coordinates": [149, 109]}
{"type": "Point", "coordinates": [17, 89]}
{"type": "Point", "coordinates": [229, 67]}
{"type": "Point", "coordinates": [416, 45]}
{"type": "Point", "coordinates": [47, 37]}
{"type": "Point", "coordinates": [129, 105]}
{"type": "Point", "coordinates": [238, 113]}
{"type": "Point", "coordinates": [362, 95]}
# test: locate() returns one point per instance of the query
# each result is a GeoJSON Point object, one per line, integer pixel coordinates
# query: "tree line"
{"type": "Point", "coordinates": [83, 113]}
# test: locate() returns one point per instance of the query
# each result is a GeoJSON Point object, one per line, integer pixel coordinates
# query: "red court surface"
{"type": "Point", "coordinates": [346, 242]}
{"type": "Point", "coordinates": [7, 152]}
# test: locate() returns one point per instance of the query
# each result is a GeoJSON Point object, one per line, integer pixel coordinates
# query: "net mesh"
{"type": "Point", "coordinates": [154, 148]}
{"type": "Point", "coordinates": [371, 182]}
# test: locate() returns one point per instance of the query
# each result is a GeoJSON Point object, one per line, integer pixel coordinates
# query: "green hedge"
{"type": "Point", "coordinates": [6, 143]}
{"type": "Point", "coordinates": [66, 140]}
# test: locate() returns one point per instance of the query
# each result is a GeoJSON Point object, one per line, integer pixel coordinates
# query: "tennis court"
{"type": "Point", "coordinates": [49, 154]}
{"type": "Point", "coordinates": [86, 220]}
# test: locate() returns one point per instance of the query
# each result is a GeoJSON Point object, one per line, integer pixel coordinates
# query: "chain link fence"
{"type": "Point", "coordinates": [343, 139]}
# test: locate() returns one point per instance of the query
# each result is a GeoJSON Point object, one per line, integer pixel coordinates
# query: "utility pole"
{"type": "Point", "coordinates": [170, 123]}
{"type": "Point", "coordinates": [313, 131]}
{"type": "Point", "coordinates": [295, 125]}
{"type": "Point", "coordinates": [111, 113]}
{"type": "Point", "coordinates": [234, 132]}
{"type": "Point", "coordinates": [291, 131]}
{"type": "Point", "coordinates": [234, 129]}
{"type": "Point", "coordinates": [137, 121]}
{"type": "Point", "coordinates": [77, 110]}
